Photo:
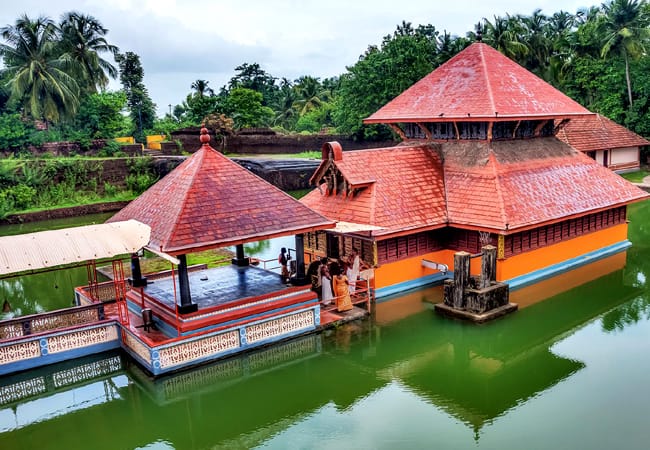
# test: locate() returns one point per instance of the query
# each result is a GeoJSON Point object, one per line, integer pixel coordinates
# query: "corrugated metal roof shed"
{"type": "Point", "coordinates": [45, 249]}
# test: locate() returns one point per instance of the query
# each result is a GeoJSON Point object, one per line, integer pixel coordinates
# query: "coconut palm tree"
{"type": "Point", "coordinates": [82, 39]}
{"type": "Point", "coordinates": [39, 77]}
{"type": "Point", "coordinates": [311, 94]}
{"type": "Point", "coordinates": [202, 89]}
{"type": "Point", "coordinates": [285, 112]}
{"type": "Point", "coordinates": [504, 35]}
{"type": "Point", "coordinates": [625, 31]}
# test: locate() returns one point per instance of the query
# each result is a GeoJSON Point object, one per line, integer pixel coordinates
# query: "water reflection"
{"type": "Point", "coordinates": [539, 378]}
{"type": "Point", "coordinates": [472, 374]}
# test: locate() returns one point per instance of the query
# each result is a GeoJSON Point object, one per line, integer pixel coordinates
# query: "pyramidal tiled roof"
{"type": "Point", "coordinates": [598, 133]}
{"type": "Point", "coordinates": [209, 201]}
{"type": "Point", "coordinates": [498, 186]}
{"type": "Point", "coordinates": [478, 83]}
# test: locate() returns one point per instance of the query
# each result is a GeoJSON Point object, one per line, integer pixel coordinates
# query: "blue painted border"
{"type": "Point", "coordinates": [565, 266]}
{"type": "Point", "coordinates": [409, 285]}
{"type": "Point", "coordinates": [51, 358]}
{"type": "Point", "coordinates": [244, 346]}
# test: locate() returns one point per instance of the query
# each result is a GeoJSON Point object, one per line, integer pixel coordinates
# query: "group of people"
{"type": "Point", "coordinates": [336, 281]}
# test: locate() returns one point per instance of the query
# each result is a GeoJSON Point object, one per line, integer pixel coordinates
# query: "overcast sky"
{"type": "Point", "coordinates": [181, 41]}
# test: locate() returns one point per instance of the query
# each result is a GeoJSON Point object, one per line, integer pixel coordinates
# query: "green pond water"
{"type": "Point", "coordinates": [569, 372]}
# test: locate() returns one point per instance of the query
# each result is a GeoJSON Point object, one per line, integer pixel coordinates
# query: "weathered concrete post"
{"type": "Point", "coordinates": [461, 278]}
{"type": "Point", "coordinates": [488, 266]}
{"type": "Point", "coordinates": [473, 298]}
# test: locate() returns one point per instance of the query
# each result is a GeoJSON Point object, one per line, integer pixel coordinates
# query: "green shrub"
{"type": "Point", "coordinates": [33, 175]}
{"type": "Point", "coordinates": [14, 132]}
{"type": "Point", "coordinates": [111, 149]}
{"type": "Point", "coordinates": [6, 204]}
{"type": "Point", "coordinates": [22, 195]}
{"type": "Point", "coordinates": [110, 190]}
{"type": "Point", "coordinates": [138, 183]}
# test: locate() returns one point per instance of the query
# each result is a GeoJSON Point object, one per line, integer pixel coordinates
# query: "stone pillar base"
{"type": "Point", "coordinates": [189, 308]}
{"type": "Point", "coordinates": [241, 262]}
{"type": "Point", "coordinates": [303, 281]}
{"type": "Point", "coordinates": [474, 317]}
{"type": "Point", "coordinates": [135, 282]}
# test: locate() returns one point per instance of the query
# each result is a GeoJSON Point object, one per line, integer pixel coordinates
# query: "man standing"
{"type": "Point", "coordinates": [283, 259]}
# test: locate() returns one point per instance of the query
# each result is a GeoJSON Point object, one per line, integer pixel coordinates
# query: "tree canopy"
{"type": "Point", "coordinates": [57, 72]}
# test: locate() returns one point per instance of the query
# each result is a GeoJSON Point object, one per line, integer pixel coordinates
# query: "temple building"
{"type": "Point", "coordinates": [609, 143]}
{"type": "Point", "coordinates": [481, 162]}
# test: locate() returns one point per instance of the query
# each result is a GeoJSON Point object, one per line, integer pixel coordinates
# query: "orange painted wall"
{"type": "Point", "coordinates": [411, 268]}
{"type": "Point", "coordinates": [562, 251]}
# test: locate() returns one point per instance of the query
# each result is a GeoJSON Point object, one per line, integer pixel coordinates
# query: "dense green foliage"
{"type": "Point", "coordinates": [51, 183]}
{"type": "Point", "coordinates": [143, 110]}
{"type": "Point", "coordinates": [597, 56]}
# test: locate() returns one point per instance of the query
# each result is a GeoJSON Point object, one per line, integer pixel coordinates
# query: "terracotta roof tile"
{"type": "Point", "coordinates": [479, 82]}
{"type": "Point", "coordinates": [408, 191]}
{"type": "Point", "coordinates": [210, 201]}
{"type": "Point", "coordinates": [598, 133]}
{"type": "Point", "coordinates": [500, 186]}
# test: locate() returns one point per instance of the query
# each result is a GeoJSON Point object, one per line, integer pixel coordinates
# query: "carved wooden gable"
{"type": "Point", "coordinates": [337, 176]}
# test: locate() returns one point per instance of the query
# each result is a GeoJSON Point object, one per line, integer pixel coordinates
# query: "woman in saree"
{"type": "Point", "coordinates": [341, 290]}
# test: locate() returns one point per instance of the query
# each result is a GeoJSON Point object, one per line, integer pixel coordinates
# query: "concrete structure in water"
{"type": "Point", "coordinates": [480, 164]}
{"type": "Point", "coordinates": [479, 298]}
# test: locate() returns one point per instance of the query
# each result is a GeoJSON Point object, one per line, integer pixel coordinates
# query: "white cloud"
{"type": "Point", "coordinates": [181, 41]}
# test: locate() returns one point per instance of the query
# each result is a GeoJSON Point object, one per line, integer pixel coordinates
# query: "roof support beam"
{"type": "Point", "coordinates": [539, 127]}
{"type": "Point", "coordinates": [424, 129]}
{"type": "Point", "coordinates": [397, 130]}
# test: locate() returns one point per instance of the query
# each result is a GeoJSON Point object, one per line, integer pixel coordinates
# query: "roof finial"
{"type": "Point", "coordinates": [479, 32]}
{"type": "Point", "coordinates": [205, 137]}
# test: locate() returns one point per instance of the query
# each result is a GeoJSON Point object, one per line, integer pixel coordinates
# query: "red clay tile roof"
{"type": "Point", "coordinates": [209, 201]}
{"type": "Point", "coordinates": [502, 186]}
{"type": "Point", "coordinates": [598, 133]}
{"type": "Point", "coordinates": [478, 83]}
{"type": "Point", "coordinates": [544, 181]}
{"type": "Point", "coordinates": [407, 192]}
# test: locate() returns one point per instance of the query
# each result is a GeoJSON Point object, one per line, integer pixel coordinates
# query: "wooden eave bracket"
{"type": "Point", "coordinates": [397, 130]}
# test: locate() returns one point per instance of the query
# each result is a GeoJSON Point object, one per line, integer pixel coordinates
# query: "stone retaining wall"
{"type": "Point", "coordinates": [270, 143]}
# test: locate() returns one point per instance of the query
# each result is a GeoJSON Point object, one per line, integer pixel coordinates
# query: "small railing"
{"type": "Point", "coordinates": [39, 323]}
{"type": "Point", "coordinates": [100, 293]}
{"type": "Point", "coordinates": [362, 295]}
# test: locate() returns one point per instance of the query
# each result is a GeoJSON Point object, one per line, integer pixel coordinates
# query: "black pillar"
{"type": "Point", "coordinates": [240, 259]}
{"type": "Point", "coordinates": [300, 279]}
{"type": "Point", "coordinates": [136, 274]}
{"type": "Point", "coordinates": [186, 305]}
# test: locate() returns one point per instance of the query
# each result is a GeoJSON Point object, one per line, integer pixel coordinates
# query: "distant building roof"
{"type": "Point", "coordinates": [478, 83]}
{"type": "Point", "coordinates": [500, 186]}
{"type": "Point", "coordinates": [597, 132]}
{"type": "Point", "coordinates": [209, 201]}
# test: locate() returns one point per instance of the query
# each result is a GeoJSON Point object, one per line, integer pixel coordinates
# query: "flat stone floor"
{"type": "Point", "coordinates": [216, 286]}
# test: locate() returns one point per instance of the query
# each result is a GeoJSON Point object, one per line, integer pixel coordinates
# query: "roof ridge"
{"type": "Point", "coordinates": [488, 83]}
{"type": "Point", "coordinates": [497, 185]}
{"type": "Point", "coordinates": [200, 156]}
